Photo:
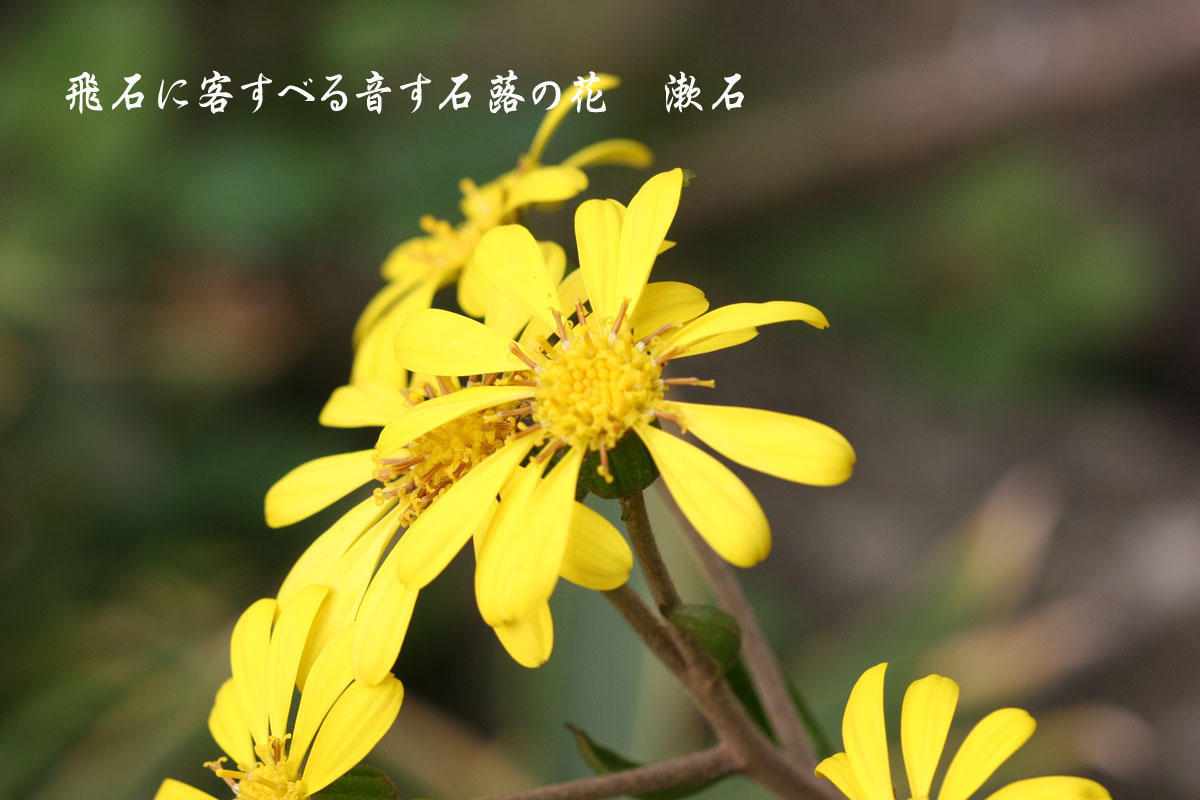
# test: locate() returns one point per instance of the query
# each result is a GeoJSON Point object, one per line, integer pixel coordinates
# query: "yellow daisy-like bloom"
{"type": "Point", "coordinates": [409, 483]}
{"type": "Point", "coordinates": [863, 771]}
{"type": "Point", "coordinates": [416, 269]}
{"type": "Point", "coordinates": [338, 719]}
{"type": "Point", "coordinates": [586, 378]}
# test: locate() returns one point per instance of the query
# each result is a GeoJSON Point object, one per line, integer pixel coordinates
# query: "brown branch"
{"type": "Point", "coordinates": [637, 521]}
{"type": "Point", "coordinates": [652, 630]}
{"type": "Point", "coordinates": [760, 660]}
{"type": "Point", "coordinates": [704, 765]}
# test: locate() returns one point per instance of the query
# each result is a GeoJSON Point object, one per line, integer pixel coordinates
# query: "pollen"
{"type": "Point", "coordinates": [438, 459]}
{"type": "Point", "coordinates": [266, 779]}
{"type": "Point", "coordinates": [595, 383]}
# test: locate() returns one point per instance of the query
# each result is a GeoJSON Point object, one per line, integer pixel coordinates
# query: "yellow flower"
{"type": "Point", "coordinates": [409, 483]}
{"type": "Point", "coordinates": [584, 384]}
{"type": "Point", "coordinates": [417, 268]}
{"type": "Point", "coordinates": [338, 719]}
{"type": "Point", "coordinates": [864, 773]}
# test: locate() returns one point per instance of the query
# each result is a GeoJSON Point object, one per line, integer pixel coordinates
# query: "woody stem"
{"type": "Point", "coordinates": [699, 674]}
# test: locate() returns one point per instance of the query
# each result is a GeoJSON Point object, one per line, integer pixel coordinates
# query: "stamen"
{"type": "Point", "coordinates": [612, 336]}
{"type": "Point", "coordinates": [549, 450]}
{"type": "Point", "coordinates": [558, 324]}
{"type": "Point", "coordinates": [429, 391]}
{"type": "Point", "coordinates": [526, 431]}
{"type": "Point", "coordinates": [667, 356]}
{"type": "Point", "coordinates": [516, 412]}
{"type": "Point", "coordinates": [604, 470]}
{"type": "Point", "coordinates": [663, 415]}
{"type": "Point", "coordinates": [407, 397]}
{"type": "Point", "coordinates": [402, 464]}
{"type": "Point", "coordinates": [516, 351]}
{"type": "Point", "coordinates": [490, 378]}
{"type": "Point", "coordinates": [688, 382]}
{"type": "Point", "coordinates": [645, 340]}
{"type": "Point", "coordinates": [520, 382]}
{"type": "Point", "coordinates": [444, 384]}
{"type": "Point", "coordinates": [580, 313]}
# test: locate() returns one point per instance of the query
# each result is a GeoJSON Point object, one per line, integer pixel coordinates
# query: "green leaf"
{"type": "Point", "coordinates": [715, 630]}
{"type": "Point", "coordinates": [361, 783]}
{"type": "Point", "coordinates": [602, 761]}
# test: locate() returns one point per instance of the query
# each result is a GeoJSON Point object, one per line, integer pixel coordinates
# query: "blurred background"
{"type": "Point", "coordinates": [994, 202]}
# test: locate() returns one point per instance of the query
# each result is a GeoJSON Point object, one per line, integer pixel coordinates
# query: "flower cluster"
{"type": "Point", "coordinates": [492, 425]}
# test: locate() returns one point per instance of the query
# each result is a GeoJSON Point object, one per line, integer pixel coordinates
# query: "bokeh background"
{"type": "Point", "coordinates": [994, 201]}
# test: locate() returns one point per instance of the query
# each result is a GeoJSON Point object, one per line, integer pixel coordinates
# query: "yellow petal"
{"type": "Point", "coordinates": [989, 744]}
{"type": "Point", "coordinates": [227, 725]}
{"type": "Point", "coordinates": [174, 790]}
{"type": "Point", "coordinates": [330, 675]}
{"type": "Point", "coordinates": [618, 152]}
{"type": "Point", "coordinates": [645, 226]}
{"type": "Point", "coordinates": [924, 723]}
{"type": "Point", "coordinates": [554, 116]}
{"type": "Point", "coordinates": [348, 578]}
{"type": "Point", "coordinates": [384, 299]}
{"type": "Point", "coordinates": [410, 260]}
{"type": "Point", "coordinates": [837, 769]}
{"type": "Point", "coordinates": [287, 646]}
{"type": "Point", "coordinates": [367, 404]}
{"type": "Point", "coordinates": [375, 353]}
{"type": "Point", "coordinates": [1052, 787]}
{"type": "Point", "coordinates": [598, 238]}
{"type": "Point", "coordinates": [739, 316]}
{"type": "Point", "coordinates": [523, 554]}
{"type": "Point", "coordinates": [545, 185]}
{"type": "Point", "coordinates": [788, 447]}
{"type": "Point", "coordinates": [556, 262]}
{"type": "Point", "coordinates": [473, 290]}
{"type": "Point", "coordinates": [248, 650]}
{"type": "Point", "coordinates": [597, 555]}
{"type": "Point", "coordinates": [530, 639]}
{"type": "Point", "coordinates": [570, 291]}
{"type": "Point", "coordinates": [512, 261]}
{"type": "Point", "coordinates": [314, 485]}
{"type": "Point", "coordinates": [719, 342]}
{"type": "Point", "coordinates": [446, 525]}
{"type": "Point", "coordinates": [714, 500]}
{"type": "Point", "coordinates": [444, 343]}
{"type": "Point", "coordinates": [359, 719]}
{"type": "Point", "coordinates": [865, 738]}
{"type": "Point", "coordinates": [424, 417]}
{"type": "Point", "coordinates": [313, 566]}
{"type": "Point", "coordinates": [383, 619]}
{"type": "Point", "coordinates": [667, 302]}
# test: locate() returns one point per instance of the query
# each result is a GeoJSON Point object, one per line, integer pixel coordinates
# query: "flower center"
{"type": "Point", "coordinates": [595, 383]}
{"type": "Point", "coordinates": [439, 458]}
{"type": "Point", "coordinates": [267, 779]}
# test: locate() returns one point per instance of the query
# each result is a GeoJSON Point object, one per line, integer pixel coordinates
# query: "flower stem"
{"type": "Point", "coordinates": [776, 770]}
{"type": "Point", "coordinates": [704, 765]}
{"type": "Point", "coordinates": [765, 671]}
{"type": "Point", "coordinates": [637, 522]}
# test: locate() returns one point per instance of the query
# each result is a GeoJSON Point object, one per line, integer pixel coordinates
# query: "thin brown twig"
{"type": "Point", "coordinates": [704, 765]}
{"type": "Point", "coordinates": [651, 629]}
{"type": "Point", "coordinates": [637, 521]}
{"type": "Point", "coordinates": [764, 668]}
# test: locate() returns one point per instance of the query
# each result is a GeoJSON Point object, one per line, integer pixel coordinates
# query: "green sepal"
{"type": "Point", "coordinates": [602, 761]}
{"type": "Point", "coordinates": [629, 462]}
{"type": "Point", "coordinates": [714, 629]}
{"type": "Point", "coordinates": [361, 783]}
{"type": "Point", "coordinates": [688, 176]}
